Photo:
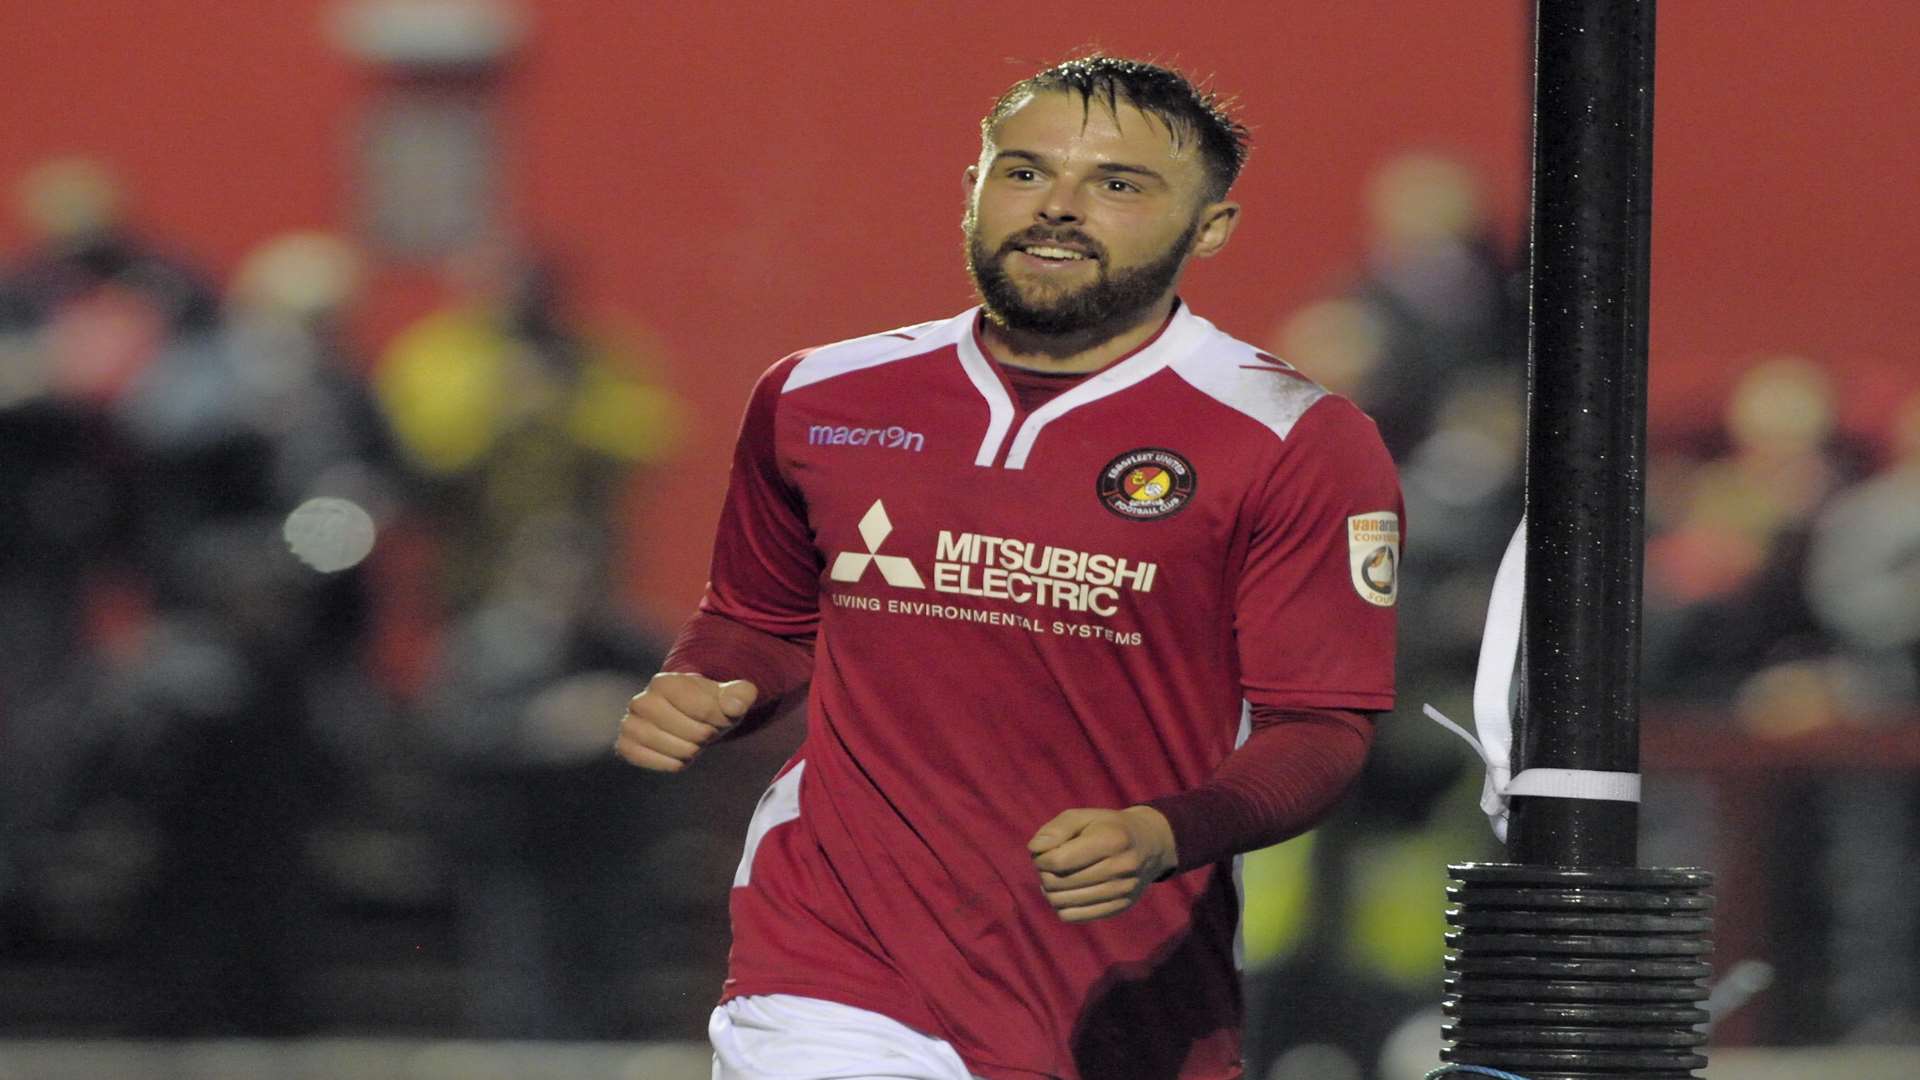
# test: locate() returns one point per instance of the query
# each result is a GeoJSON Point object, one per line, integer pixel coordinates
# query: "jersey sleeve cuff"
{"type": "Point", "coordinates": [720, 648]}
{"type": "Point", "coordinates": [1366, 701]}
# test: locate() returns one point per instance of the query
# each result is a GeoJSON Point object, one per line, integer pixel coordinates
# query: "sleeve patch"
{"type": "Point", "coordinates": [1373, 553]}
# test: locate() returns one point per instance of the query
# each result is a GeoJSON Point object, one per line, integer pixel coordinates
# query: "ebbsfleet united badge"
{"type": "Point", "coordinates": [1145, 484]}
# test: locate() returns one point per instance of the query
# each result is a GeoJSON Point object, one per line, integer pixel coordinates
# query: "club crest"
{"type": "Point", "coordinates": [1145, 484]}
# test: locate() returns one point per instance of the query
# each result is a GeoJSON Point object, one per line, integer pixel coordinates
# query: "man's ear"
{"type": "Point", "coordinates": [1217, 222]}
{"type": "Point", "coordinates": [970, 184]}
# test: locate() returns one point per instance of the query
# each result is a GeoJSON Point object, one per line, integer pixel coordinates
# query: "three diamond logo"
{"type": "Point", "coordinates": [850, 566]}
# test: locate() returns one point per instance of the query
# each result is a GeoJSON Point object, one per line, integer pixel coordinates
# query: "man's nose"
{"type": "Point", "coordinates": [1061, 205]}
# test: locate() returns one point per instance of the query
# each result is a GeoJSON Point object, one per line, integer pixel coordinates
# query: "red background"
{"type": "Point", "coordinates": [748, 179]}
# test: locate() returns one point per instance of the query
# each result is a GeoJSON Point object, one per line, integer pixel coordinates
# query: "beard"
{"type": "Point", "coordinates": [1113, 301]}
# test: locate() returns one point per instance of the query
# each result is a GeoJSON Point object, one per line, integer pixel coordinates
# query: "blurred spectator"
{"type": "Point", "coordinates": [1863, 577]}
{"type": "Point", "coordinates": [1464, 487]}
{"type": "Point", "coordinates": [97, 297]}
{"type": "Point", "coordinates": [1725, 604]}
{"type": "Point", "coordinates": [214, 723]}
{"type": "Point", "coordinates": [551, 879]}
{"type": "Point", "coordinates": [300, 380]}
{"type": "Point", "coordinates": [1863, 584]}
{"type": "Point", "coordinates": [175, 838]}
{"type": "Point", "coordinates": [514, 413]}
{"type": "Point", "coordinates": [266, 416]}
{"type": "Point", "coordinates": [176, 822]}
{"type": "Point", "coordinates": [1434, 301]}
{"type": "Point", "coordinates": [1780, 588]}
{"type": "Point", "coordinates": [82, 313]}
{"type": "Point", "coordinates": [265, 413]}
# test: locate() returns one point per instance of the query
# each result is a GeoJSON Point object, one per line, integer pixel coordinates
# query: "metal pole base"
{"type": "Point", "coordinates": [1558, 973]}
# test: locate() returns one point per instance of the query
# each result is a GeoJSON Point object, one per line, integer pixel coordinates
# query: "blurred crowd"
{"type": "Point", "coordinates": [1782, 601]}
{"type": "Point", "coordinates": [222, 813]}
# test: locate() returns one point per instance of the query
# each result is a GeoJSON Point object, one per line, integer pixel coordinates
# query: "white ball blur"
{"type": "Point", "coordinates": [329, 534]}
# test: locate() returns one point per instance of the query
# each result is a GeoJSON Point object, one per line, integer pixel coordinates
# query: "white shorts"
{"type": "Point", "coordinates": [788, 1037]}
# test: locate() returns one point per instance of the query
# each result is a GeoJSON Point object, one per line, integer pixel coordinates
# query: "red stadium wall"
{"type": "Point", "coordinates": [747, 179]}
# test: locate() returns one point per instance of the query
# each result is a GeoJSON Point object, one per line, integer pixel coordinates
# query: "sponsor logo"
{"type": "Point", "coordinates": [999, 568]}
{"type": "Point", "coordinates": [1144, 484]}
{"type": "Point", "coordinates": [1002, 568]}
{"type": "Point", "coordinates": [1012, 620]}
{"type": "Point", "coordinates": [1373, 553]}
{"type": "Point", "coordinates": [851, 566]}
{"type": "Point", "coordinates": [894, 437]}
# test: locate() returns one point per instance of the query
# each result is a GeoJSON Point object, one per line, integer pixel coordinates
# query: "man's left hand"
{"type": "Point", "coordinates": [1096, 863]}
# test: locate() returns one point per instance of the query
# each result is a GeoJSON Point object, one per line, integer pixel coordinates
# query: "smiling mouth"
{"type": "Point", "coordinates": [1055, 254]}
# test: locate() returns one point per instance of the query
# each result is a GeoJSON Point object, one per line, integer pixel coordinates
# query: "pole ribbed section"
{"type": "Point", "coordinates": [1577, 974]}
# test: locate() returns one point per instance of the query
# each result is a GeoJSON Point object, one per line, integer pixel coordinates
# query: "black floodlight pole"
{"type": "Point", "coordinates": [1571, 962]}
{"type": "Point", "coordinates": [1586, 429]}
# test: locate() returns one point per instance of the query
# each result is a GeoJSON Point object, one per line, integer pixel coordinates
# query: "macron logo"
{"type": "Point", "coordinates": [891, 438]}
{"type": "Point", "coordinates": [851, 566]}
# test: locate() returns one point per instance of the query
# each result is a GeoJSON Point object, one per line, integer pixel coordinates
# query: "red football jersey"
{"type": "Point", "coordinates": [1019, 614]}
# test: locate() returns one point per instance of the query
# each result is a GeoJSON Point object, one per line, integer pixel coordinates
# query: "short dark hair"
{"type": "Point", "coordinates": [1188, 111]}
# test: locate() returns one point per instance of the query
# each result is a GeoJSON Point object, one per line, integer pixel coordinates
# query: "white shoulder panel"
{"type": "Point", "coordinates": [856, 354]}
{"type": "Point", "coordinates": [1248, 381]}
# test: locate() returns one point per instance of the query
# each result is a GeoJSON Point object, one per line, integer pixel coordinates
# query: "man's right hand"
{"type": "Point", "coordinates": [677, 714]}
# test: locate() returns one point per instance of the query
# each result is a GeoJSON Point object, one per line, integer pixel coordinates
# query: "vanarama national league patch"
{"type": "Point", "coordinates": [1148, 483]}
{"type": "Point", "coordinates": [1373, 551]}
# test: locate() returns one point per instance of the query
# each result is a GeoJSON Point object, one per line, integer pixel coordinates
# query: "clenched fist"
{"type": "Point", "coordinates": [1095, 863]}
{"type": "Point", "coordinates": [677, 714]}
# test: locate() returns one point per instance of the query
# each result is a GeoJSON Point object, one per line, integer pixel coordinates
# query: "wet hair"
{"type": "Point", "coordinates": [1189, 112]}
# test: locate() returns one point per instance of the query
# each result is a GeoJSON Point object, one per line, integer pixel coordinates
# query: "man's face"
{"type": "Point", "coordinates": [1079, 219]}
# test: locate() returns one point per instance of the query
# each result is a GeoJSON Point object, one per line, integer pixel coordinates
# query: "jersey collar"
{"type": "Point", "coordinates": [1183, 330]}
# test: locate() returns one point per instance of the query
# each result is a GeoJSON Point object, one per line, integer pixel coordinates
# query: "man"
{"type": "Point", "coordinates": [1091, 597]}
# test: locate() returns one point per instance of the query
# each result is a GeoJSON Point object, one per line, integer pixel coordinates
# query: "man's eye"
{"type": "Point", "coordinates": [1021, 174]}
{"type": "Point", "coordinates": [1121, 186]}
